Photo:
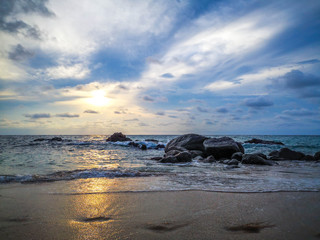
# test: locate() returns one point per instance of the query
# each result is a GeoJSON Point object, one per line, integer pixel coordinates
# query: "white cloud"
{"type": "Point", "coordinates": [77, 71]}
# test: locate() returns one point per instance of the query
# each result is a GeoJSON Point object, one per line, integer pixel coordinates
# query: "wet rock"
{"type": "Point", "coordinates": [232, 162]}
{"type": "Point", "coordinates": [288, 154]}
{"type": "Point", "coordinates": [308, 158]}
{"type": "Point", "coordinates": [41, 139]}
{"type": "Point", "coordinates": [143, 147]}
{"type": "Point", "coordinates": [118, 137]}
{"type": "Point", "coordinates": [255, 159]}
{"type": "Point", "coordinates": [237, 155]}
{"type": "Point", "coordinates": [275, 158]}
{"type": "Point", "coordinates": [209, 159]}
{"type": "Point", "coordinates": [169, 159]}
{"type": "Point", "coordinates": [187, 141]}
{"type": "Point", "coordinates": [172, 153]}
{"type": "Point", "coordinates": [196, 153]}
{"type": "Point", "coordinates": [156, 158]}
{"type": "Point", "coordinates": [221, 147]}
{"type": "Point", "coordinates": [261, 155]}
{"type": "Point", "coordinates": [151, 140]}
{"type": "Point", "coordinates": [184, 157]}
{"type": "Point", "coordinates": [317, 156]}
{"type": "Point", "coordinates": [59, 139]}
{"type": "Point", "coordinates": [160, 146]}
{"type": "Point", "coordinates": [198, 158]}
{"type": "Point", "coordinates": [274, 154]}
{"type": "Point", "coordinates": [260, 141]}
{"type": "Point", "coordinates": [133, 144]}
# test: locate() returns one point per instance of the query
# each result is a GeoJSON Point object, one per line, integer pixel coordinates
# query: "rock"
{"type": "Point", "coordinates": [317, 156]}
{"type": "Point", "coordinates": [118, 137]}
{"type": "Point", "coordinates": [184, 157]}
{"type": "Point", "coordinates": [261, 155]}
{"type": "Point", "coordinates": [275, 158]}
{"type": "Point", "coordinates": [209, 159]}
{"type": "Point", "coordinates": [232, 166]}
{"type": "Point", "coordinates": [156, 158]}
{"type": "Point", "coordinates": [133, 144]}
{"type": "Point", "coordinates": [151, 140]}
{"type": "Point", "coordinates": [40, 139]}
{"type": "Point", "coordinates": [187, 141]}
{"type": "Point", "coordinates": [237, 155]}
{"type": "Point", "coordinates": [308, 158]}
{"type": "Point", "coordinates": [169, 159]}
{"type": "Point", "coordinates": [143, 147]}
{"type": "Point", "coordinates": [221, 147]}
{"type": "Point", "coordinates": [56, 139]}
{"type": "Point", "coordinates": [233, 162]}
{"type": "Point", "coordinates": [196, 153]}
{"type": "Point", "coordinates": [172, 153]}
{"type": "Point", "coordinates": [255, 159]}
{"type": "Point", "coordinates": [160, 146]}
{"type": "Point", "coordinates": [240, 147]}
{"type": "Point", "coordinates": [274, 154]}
{"type": "Point", "coordinates": [288, 154]}
{"type": "Point", "coordinates": [198, 158]}
{"type": "Point", "coordinates": [260, 141]}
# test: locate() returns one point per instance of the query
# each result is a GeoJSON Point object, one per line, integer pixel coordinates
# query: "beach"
{"type": "Point", "coordinates": [53, 211]}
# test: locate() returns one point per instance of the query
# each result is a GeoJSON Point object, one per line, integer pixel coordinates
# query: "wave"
{"type": "Point", "coordinates": [71, 175]}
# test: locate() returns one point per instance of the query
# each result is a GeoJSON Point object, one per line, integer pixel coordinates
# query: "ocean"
{"type": "Point", "coordinates": [129, 169]}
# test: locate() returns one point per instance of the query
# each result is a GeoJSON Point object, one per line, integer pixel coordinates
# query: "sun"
{"type": "Point", "coordinates": [98, 98]}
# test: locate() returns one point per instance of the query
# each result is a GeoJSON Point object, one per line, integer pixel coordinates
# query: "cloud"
{"type": "Point", "coordinates": [201, 109]}
{"type": "Point", "coordinates": [90, 111]}
{"type": "Point", "coordinates": [208, 122]}
{"type": "Point", "coordinates": [76, 71]}
{"type": "Point", "coordinates": [222, 110]}
{"type": "Point", "coordinates": [311, 61]}
{"type": "Point", "coordinates": [167, 75]}
{"type": "Point", "coordinates": [148, 99]}
{"type": "Point", "coordinates": [300, 112]}
{"type": "Point", "coordinates": [11, 10]}
{"type": "Point", "coordinates": [38, 115]}
{"type": "Point", "coordinates": [160, 113]}
{"type": "Point", "coordinates": [132, 120]}
{"type": "Point", "coordinates": [67, 115]}
{"type": "Point", "coordinates": [297, 79]}
{"type": "Point", "coordinates": [258, 103]}
{"type": "Point", "coordinates": [19, 53]}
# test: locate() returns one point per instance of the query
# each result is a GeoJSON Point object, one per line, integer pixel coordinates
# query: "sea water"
{"type": "Point", "coordinates": [79, 158]}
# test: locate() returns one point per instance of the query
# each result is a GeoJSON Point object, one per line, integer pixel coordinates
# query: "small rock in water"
{"type": "Point", "coordinates": [288, 154]}
{"type": "Point", "coordinates": [143, 147]}
{"type": "Point", "coordinates": [156, 158]}
{"type": "Point", "coordinates": [56, 139]}
{"type": "Point", "coordinates": [237, 155]}
{"type": "Point", "coordinates": [209, 159]}
{"type": "Point", "coordinates": [260, 141]}
{"type": "Point", "coordinates": [308, 158]}
{"type": "Point", "coordinates": [317, 156]}
{"type": "Point", "coordinates": [184, 157]}
{"type": "Point", "coordinates": [118, 137]}
{"type": "Point", "coordinates": [255, 159]}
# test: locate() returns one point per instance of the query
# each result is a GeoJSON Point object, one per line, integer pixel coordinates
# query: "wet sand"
{"type": "Point", "coordinates": [33, 211]}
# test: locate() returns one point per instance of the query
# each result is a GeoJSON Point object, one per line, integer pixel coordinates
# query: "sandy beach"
{"type": "Point", "coordinates": [38, 211]}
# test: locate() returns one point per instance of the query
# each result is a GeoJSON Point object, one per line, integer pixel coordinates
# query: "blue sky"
{"type": "Point", "coordinates": [159, 67]}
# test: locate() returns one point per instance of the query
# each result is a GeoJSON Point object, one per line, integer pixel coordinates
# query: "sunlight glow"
{"type": "Point", "coordinates": [99, 98]}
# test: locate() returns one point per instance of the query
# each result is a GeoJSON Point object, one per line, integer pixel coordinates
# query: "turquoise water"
{"type": "Point", "coordinates": [81, 157]}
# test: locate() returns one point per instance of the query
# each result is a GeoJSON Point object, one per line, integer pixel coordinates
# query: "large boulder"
{"type": "Point", "coordinates": [187, 141]}
{"type": "Point", "coordinates": [255, 159]}
{"type": "Point", "coordinates": [317, 156]}
{"type": "Point", "coordinates": [222, 147]}
{"type": "Point", "coordinates": [260, 141]}
{"type": "Point", "coordinates": [118, 137]}
{"type": "Point", "coordinates": [288, 154]}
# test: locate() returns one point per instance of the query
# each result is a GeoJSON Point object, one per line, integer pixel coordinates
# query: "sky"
{"type": "Point", "coordinates": [160, 67]}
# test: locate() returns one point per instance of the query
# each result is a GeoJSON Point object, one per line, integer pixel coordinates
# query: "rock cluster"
{"type": "Point", "coordinates": [193, 147]}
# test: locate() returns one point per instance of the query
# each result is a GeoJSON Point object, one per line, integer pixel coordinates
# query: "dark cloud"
{"type": "Point", "coordinates": [148, 99]}
{"type": "Point", "coordinates": [201, 109]}
{"type": "Point", "coordinates": [258, 103]}
{"type": "Point", "coordinates": [311, 61]}
{"type": "Point", "coordinates": [19, 53]}
{"type": "Point", "coordinates": [160, 113]}
{"type": "Point", "coordinates": [123, 87]}
{"type": "Point", "coordinates": [167, 75]}
{"type": "Point", "coordinates": [90, 111]}
{"type": "Point", "coordinates": [299, 112]}
{"type": "Point", "coordinates": [132, 120]}
{"type": "Point", "coordinates": [67, 115]}
{"type": "Point", "coordinates": [117, 112]}
{"type": "Point", "coordinates": [297, 79]}
{"type": "Point", "coordinates": [9, 9]}
{"type": "Point", "coordinates": [38, 115]}
{"type": "Point", "coordinates": [222, 110]}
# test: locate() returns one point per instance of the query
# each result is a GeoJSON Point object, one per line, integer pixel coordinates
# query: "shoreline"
{"type": "Point", "coordinates": [31, 211]}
